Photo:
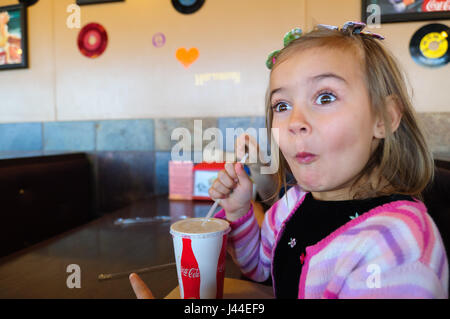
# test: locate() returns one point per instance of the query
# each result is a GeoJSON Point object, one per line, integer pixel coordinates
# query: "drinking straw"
{"type": "Point", "coordinates": [137, 271]}
{"type": "Point", "coordinates": [217, 201]}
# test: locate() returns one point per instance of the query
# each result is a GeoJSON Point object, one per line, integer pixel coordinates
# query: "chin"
{"type": "Point", "coordinates": [310, 187]}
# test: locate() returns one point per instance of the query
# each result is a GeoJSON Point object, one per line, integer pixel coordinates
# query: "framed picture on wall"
{"type": "Point", "coordinates": [83, 2]}
{"type": "Point", "coordinates": [405, 10]}
{"type": "Point", "coordinates": [13, 37]}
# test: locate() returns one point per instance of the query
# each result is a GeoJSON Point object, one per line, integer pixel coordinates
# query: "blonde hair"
{"type": "Point", "coordinates": [402, 158]}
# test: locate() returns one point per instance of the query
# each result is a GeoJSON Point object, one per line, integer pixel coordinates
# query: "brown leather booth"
{"type": "Point", "coordinates": [41, 197]}
{"type": "Point", "coordinates": [437, 199]}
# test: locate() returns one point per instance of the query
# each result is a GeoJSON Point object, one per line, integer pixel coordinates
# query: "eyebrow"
{"type": "Point", "coordinates": [326, 76]}
{"type": "Point", "coordinates": [316, 78]}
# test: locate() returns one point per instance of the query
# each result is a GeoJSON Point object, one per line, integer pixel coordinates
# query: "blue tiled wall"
{"type": "Point", "coordinates": [69, 136]}
{"type": "Point", "coordinates": [125, 135]}
{"type": "Point", "coordinates": [21, 137]}
{"type": "Point", "coordinates": [130, 157]}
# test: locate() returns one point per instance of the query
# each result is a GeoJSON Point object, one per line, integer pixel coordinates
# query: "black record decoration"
{"type": "Point", "coordinates": [429, 46]}
{"type": "Point", "coordinates": [187, 6]}
{"type": "Point", "coordinates": [28, 3]}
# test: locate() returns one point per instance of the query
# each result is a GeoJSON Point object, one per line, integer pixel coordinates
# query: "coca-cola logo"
{"type": "Point", "coordinates": [437, 5]}
{"type": "Point", "coordinates": [190, 272]}
{"type": "Point", "coordinates": [221, 267]}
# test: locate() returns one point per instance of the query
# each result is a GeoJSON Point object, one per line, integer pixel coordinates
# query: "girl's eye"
{"type": "Point", "coordinates": [325, 98]}
{"type": "Point", "coordinates": [281, 107]}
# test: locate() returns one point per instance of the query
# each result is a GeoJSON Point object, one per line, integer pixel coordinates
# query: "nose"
{"type": "Point", "coordinates": [298, 123]}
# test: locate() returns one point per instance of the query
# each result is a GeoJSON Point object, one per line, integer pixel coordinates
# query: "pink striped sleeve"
{"type": "Point", "coordinates": [398, 264]}
{"type": "Point", "coordinates": [407, 281]}
{"type": "Point", "coordinates": [250, 250]}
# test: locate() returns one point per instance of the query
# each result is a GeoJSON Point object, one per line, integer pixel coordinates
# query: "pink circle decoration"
{"type": "Point", "coordinates": [159, 39]}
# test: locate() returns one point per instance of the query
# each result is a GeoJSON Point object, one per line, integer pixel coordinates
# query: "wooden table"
{"type": "Point", "coordinates": [103, 247]}
{"type": "Point", "coordinates": [236, 289]}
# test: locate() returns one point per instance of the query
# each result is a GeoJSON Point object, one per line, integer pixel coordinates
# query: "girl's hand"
{"type": "Point", "coordinates": [140, 288]}
{"type": "Point", "coordinates": [234, 188]}
{"type": "Point", "coordinates": [246, 143]}
{"type": "Point", "coordinates": [266, 184]}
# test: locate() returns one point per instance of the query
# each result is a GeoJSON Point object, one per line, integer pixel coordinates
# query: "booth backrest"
{"type": "Point", "coordinates": [43, 196]}
{"type": "Point", "coordinates": [437, 199]}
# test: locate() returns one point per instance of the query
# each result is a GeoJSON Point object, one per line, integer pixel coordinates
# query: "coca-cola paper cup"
{"type": "Point", "coordinates": [200, 251]}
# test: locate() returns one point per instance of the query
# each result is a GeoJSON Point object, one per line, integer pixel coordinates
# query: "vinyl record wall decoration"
{"type": "Point", "coordinates": [92, 40]}
{"type": "Point", "coordinates": [429, 45]}
{"type": "Point", "coordinates": [187, 6]}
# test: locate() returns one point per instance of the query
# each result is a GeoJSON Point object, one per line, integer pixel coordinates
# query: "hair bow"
{"type": "Point", "coordinates": [288, 38]}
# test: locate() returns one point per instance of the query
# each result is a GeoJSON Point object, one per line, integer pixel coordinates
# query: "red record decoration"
{"type": "Point", "coordinates": [92, 40]}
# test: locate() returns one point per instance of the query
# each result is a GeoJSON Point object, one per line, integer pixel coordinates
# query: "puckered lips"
{"type": "Point", "coordinates": [305, 157]}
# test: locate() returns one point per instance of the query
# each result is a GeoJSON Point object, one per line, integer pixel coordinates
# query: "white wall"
{"type": "Point", "coordinates": [133, 79]}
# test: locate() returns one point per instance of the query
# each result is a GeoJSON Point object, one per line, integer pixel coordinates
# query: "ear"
{"type": "Point", "coordinates": [395, 115]}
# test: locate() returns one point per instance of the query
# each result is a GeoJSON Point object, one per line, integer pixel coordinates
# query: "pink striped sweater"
{"type": "Point", "coordinates": [392, 251]}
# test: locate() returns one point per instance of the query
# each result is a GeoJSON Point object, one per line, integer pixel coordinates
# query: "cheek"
{"type": "Point", "coordinates": [344, 151]}
{"type": "Point", "coordinates": [340, 140]}
{"type": "Point", "coordinates": [348, 142]}
{"type": "Point", "coordinates": [279, 133]}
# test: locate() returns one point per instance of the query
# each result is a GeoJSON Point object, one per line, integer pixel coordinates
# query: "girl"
{"type": "Point", "coordinates": [352, 227]}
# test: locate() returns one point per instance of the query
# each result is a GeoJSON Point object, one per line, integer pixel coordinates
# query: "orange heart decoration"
{"type": "Point", "coordinates": [187, 57]}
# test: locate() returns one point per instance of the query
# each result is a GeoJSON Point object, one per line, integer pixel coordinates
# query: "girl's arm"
{"type": "Point", "coordinates": [402, 256]}
{"type": "Point", "coordinates": [413, 280]}
{"type": "Point", "coordinates": [251, 246]}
